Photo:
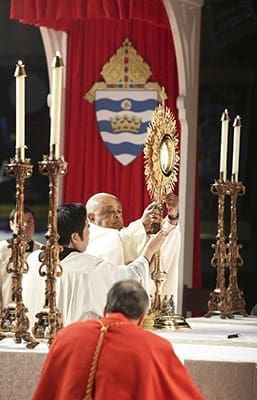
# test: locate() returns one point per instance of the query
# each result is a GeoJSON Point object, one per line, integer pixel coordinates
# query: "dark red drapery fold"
{"type": "Point", "coordinates": [59, 14]}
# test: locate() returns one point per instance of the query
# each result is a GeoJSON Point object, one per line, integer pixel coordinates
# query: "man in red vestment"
{"type": "Point", "coordinates": [114, 358]}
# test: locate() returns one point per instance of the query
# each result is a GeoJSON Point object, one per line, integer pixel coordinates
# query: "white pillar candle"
{"type": "Point", "coordinates": [56, 103]}
{"type": "Point", "coordinates": [224, 145]}
{"type": "Point", "coordinates": [20, 75]}
{"type": "Point", "coordinates": [236, 148]}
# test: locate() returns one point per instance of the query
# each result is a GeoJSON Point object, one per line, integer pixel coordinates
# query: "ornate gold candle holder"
{"type": "Point", "coordinates": [14, 321]}
{"type": "Point", "coordinates": [227, 300]}
{"type": "Point", "coordinates": [50, 318]}
{"type": "Point", "coordinates": [234, 260]}
{"type": "Point", "coordinates": [218, 299]}
{"type": "Point", "coordinates": [159, 277]}
{"type": "Point", "coordinates": [162, 312]}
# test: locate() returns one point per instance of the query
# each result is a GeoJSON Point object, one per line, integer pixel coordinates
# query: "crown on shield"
{"type": "Point", "coordinates": [123, 123]}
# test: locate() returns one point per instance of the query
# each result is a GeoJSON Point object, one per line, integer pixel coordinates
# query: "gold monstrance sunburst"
{"type": "Point", "coordinates": [161, 153]}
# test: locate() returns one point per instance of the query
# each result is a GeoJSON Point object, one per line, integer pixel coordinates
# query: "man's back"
{"type": "Point", "coordinates": [82, 288]}
{"type": "Point", "coordinates": [105, 243]}
{"type": "Point", "coordinates": [133, 364]}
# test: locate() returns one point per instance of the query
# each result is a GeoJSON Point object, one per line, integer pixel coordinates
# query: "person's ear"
{"type": "Point", "coordinates": [91, 216]}
{"type": "Point", "coordinates": [74, 239]}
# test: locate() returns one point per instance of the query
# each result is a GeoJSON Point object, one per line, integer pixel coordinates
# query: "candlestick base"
{"type": "Point", "coordinates": [14, 323]}
{"type": "Point", "coordinates": [42, 329]}
{"type": "Point", "coordinates": [236, 300]}
{"type": "Point", "coordinates": [218, 305]}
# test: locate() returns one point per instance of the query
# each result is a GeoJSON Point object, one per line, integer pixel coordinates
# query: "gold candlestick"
{"type": "Point", "coordinates": [50, 319]}
{"type": "Point", "coordinates": [218, 299]}
{"type": "Point", "coordinates": [234, 294]}
{"type": "Point", "coordinates": [227, 300]}
{"type": "Point", "coordinates": [159, 277]}
{"type": "Point", "coordinates": [14, 321]}
{"type": "Point", "coordinates": [162, 313]}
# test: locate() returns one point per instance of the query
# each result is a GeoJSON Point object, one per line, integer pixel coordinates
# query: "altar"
{"type": "Point", "coordinates": [221, 356]}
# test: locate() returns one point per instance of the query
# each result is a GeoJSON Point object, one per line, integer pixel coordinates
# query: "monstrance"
{"type": "Point", "coordinates": [161, 153]}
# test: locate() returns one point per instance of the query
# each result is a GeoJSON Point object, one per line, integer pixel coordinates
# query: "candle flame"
{"type": "Point", "coordinates": [57, 60]}
{"type": "Point", "coordinates": [237, 121]}
{"type": "Point", "coordinates": [20, 69]}
{"type": "Point", "coordinates": [225, 116]}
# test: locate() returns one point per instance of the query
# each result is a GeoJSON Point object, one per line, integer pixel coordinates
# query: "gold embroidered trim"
{"type": "Point", "coordinates": [93, 367]}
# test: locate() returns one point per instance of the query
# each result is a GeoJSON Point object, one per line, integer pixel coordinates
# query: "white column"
{"type": "Point", "coordinates": [185, 23]}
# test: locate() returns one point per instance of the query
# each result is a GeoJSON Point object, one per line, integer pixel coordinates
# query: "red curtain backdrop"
{"type": "Point", "coordinates": [96, 30]}
{"type": "Point", "coordinates": [89, 160]}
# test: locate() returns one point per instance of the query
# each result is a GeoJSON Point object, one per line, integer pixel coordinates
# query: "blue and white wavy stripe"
{"type": "Point", "coordinates": [125, 152]}
{"type": "Point", "coordinates": [125, 147]}
{"type": "Point", "coordinates": [120, 95]}
{"type": "Point", "coordinates": [118, 138]}
{"type": "Point", "coordinates": [106, 115]}
{"type": "Point", "coordinates": [116, 106]}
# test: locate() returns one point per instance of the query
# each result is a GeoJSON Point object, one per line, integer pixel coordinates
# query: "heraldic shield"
{"type": "Point", "coordinates": [123, 117]}
{"type": "Point", "coordinates": [124, 103]}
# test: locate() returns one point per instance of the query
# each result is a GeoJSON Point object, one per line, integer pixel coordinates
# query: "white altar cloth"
{"type": "Point", "coordinates": [223, 368]}
{"type": "Point", "coordinates": [208, 339]}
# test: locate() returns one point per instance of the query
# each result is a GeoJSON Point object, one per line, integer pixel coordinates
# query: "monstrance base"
{"type": "Point", "coordinates": [171, 322]}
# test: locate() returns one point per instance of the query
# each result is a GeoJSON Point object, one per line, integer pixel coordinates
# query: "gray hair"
{"type": "Point", "coordinates": [129, 298]}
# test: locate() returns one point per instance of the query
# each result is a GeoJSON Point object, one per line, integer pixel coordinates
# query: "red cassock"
{"type": "Point", "coordinates": [134, 364]}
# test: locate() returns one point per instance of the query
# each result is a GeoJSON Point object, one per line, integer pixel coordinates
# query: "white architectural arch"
{"type": "Point", "coordinates": [185, 23]}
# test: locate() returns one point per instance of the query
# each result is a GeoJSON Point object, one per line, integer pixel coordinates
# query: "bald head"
{"type": "Point", "coordinates": [105, 210]}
